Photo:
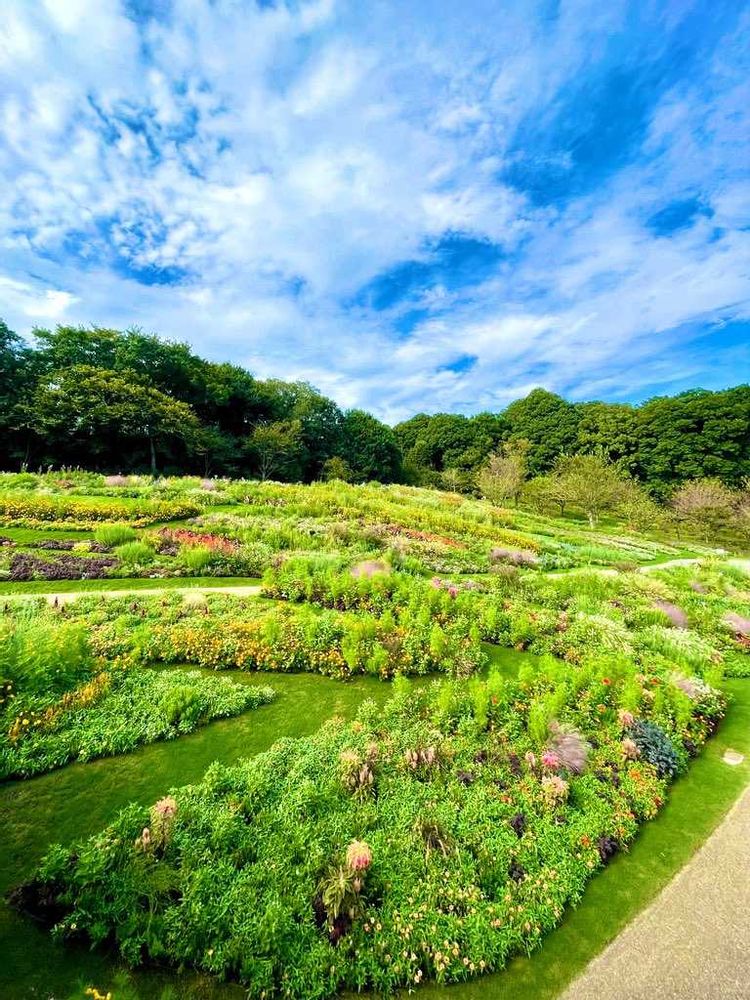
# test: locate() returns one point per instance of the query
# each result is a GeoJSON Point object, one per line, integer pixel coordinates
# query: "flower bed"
{"type": "Point", "coordinates": [31, 511]}
{"type": "Point", "coordinates": [59, 702]}
{"type": "Point", "coordinates": [432, 840]}
{"type": "Point", "coordinates": [117, 712]}
{"type": "Point", "coordinates": [248, 636]}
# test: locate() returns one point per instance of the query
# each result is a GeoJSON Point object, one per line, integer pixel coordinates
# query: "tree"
{"type": "Point", "coordinates": [706, 506]}
{"type": "Point", "coordinates": [336, 468]}
{"type": "Point", "coordinates": [504, 475]}
{"type": "Point", "coordinates": [697, 435]}
{"type": "Point", "coordinates": [275, 447]}
{"type": "Point", "coordinates": [548, 423]}
{"type": "Point", "coordinates": [15, 374]}
{"type": "Point", "coordinates": [543, 492]}
{"type": "Point", "coordinates": [100, 413]}
{"type": "Point", "coordinates": [369, 448]}
{"type": "Point", "coordinates": [609, 429]}
{"type": "Point", "coordinates": [591, 483]}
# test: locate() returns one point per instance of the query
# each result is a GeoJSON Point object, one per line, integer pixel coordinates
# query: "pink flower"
{"type": "Point", "coordinates": [626, 719]}
{"type": "Point", "coordinates": [358, 856]}
{"type": "Point", "coordinates": [166, 807]}
{"type": "Point", "coordinates": [630, 749]}
{"type": "Point", "coordinates": [550, 759]}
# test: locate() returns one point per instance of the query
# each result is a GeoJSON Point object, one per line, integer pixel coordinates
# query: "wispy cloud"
{"type": "Point", "coordinates": [414, 206]}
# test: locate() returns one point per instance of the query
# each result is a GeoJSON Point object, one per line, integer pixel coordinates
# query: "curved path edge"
{"type": "Point", "coordinates": [691, 943]}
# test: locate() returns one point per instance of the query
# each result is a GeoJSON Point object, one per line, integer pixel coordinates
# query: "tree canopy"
{"type": "Point", "coordinates": [129, 401]}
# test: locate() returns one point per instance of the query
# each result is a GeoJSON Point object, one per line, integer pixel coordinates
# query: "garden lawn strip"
{"type": "Point", "coordinates": [239, 589]}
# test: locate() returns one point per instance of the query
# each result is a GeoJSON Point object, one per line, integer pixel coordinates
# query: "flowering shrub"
{"type": "Point", "coordinates": [182, 536]}
{"type": "Point", "coordinates": [298, 639]}
{"type": "Point", "coordinates": [32, 510]}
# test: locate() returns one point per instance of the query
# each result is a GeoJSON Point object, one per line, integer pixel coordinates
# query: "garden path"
{"type": "Point", "coordinates": [691, 943]}
{"type": "Point", "coordinates": [67, 596]}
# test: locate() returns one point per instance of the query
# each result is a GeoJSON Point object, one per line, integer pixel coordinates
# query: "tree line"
{"type": "Point", "coordinates": [662, 443]}
{"type": "Point", "coordinates": [130, 401]}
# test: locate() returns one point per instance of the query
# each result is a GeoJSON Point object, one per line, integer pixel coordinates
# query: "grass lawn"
{"type": "Point", "coordinates": [23, 535]}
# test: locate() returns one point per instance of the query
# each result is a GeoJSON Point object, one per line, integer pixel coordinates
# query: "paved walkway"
{"type": "Point", "coordinates": [693, 942]}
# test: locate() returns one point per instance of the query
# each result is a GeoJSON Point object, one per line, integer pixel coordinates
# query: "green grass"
{"type": "Point", "coordinates": [119, 584]}
{"type": "Point", "coordinates": [77, 800]}
{"type": "Point", "coordinates": [23, 535]}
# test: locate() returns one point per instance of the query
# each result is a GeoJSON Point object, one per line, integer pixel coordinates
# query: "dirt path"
{"type": "Point", "coordinates": [692, 942]}
{"type": "Point", "coordinates": [743, 564]}
{"type": "Point", "coordinates": [67, 596]}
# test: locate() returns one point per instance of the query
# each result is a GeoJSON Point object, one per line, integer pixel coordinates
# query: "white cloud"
{"type": "Point", "coordinates": [285, 157]}
{"type": "Point", "coordinates": [47, 304]}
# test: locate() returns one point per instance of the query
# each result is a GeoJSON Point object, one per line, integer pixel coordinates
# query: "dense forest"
{"type": "Point", "coordinates": [128, 401]}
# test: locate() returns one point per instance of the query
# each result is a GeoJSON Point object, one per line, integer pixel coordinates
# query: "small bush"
{"type": "Point", "coordinates": [197, 557]}
{"type": "Point", "coordinates": [656, 748]}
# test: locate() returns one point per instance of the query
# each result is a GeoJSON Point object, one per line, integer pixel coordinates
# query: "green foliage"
{"type": "Point", "coordinates": [117, 713]}
{"type": "Point", "coordinates": [277, 857]}
{"type": "Point", "coordinates": [44, 657]}
{"type": "Point", "coordinates": [197, 557]}
{"type": "Point", "coordinates": [655, 747]}
{"type": "Point", "coordinates": [114, 534]}
{"type": "Point", "coordinates": [135, 553]}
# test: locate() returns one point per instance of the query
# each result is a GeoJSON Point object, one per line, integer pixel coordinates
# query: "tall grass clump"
{"type": "Point", "coordinates": [113, 535]}
{"type": "Point", "coordinates": [44, 657]}
{"type": "Point", "coordinates": [135, 553]}
{"type": "Point", "coordinates": [197, 557]}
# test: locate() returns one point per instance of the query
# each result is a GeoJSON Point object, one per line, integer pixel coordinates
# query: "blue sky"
{"type": "Point", "coordinates": [415, 206]}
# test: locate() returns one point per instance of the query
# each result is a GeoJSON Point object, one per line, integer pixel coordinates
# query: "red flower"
{"type": "Point", "coordinates": [606, 680]}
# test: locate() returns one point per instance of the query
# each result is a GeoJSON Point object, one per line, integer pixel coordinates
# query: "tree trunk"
{"type": "Point", "coordinates": [592, 518]}
{"type": "Point", "coordinates": [153, 455]}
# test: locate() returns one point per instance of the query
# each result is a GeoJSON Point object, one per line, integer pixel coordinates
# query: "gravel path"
{"type": "Point", "coordinates": [692, 942]}
{"type": "Point", "coordinates": [743, 564]}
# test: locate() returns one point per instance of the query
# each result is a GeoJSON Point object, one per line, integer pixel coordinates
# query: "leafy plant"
{"type": "Point", "coordinates": [655, 746]}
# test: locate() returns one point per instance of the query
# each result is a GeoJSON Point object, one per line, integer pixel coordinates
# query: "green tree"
{"type": "Point", "coordinates": [505, 473]}
{"type": "Point", "coordinates": [548, 423]}
{"type": "Point", "coordinates": [101, 413]}
{"type": "Point", "coordinates": [609, 429]}
{"type": "Point", "coordinates": [693, 436]}
{"type": "Point", "coordinates": [591, 483]}
{"type": "Point", "coordinates": [547, 492]}
{"type": "Point", "coordinates": [337, 468]}
{"type": "Point", "coordinates": [275, 448]}
{"type": "Point", "coordinates": [15, 374]}
{"type": "Point", "coordinates": [369, 447]}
